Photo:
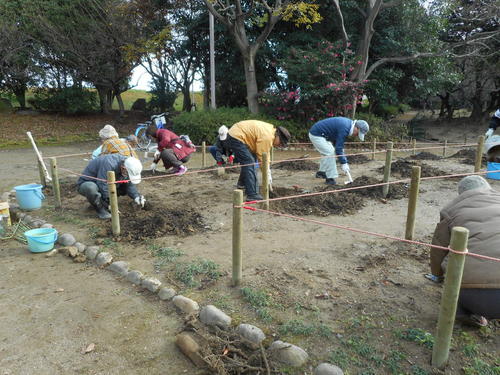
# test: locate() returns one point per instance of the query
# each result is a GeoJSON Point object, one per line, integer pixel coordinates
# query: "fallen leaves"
{"type": "Point", "coordinates": [90, 348]}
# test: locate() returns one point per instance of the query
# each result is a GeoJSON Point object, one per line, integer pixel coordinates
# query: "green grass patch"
{"type": "Point", "coordinates": [193, 273]}
{"type": "Point", "coordinates": [47, 141]}
{"type": "Point", "coordinates": [479, 367]}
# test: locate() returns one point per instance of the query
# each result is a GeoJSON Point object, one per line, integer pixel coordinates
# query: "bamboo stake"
{"type": "Point", "coordinates": [203, 154]}
{"type": "Point", "coordinates": [55, 182]}
{"type": "Point", "coordinates": [412, 203]}
{"type": "Point", "coordinates": [237, 235]}
{"type": "Point", "coordinates": [387, 169]}
{"type": "Point", "coordinates": [444, 147]}
{"type": "Point", "coordinates": [113, 200]}
{"type": "Point", "coordinates": [414, 146]}
{"type": "Point", "coordinates": [43, 181]}
{"type": "Point", "coordinates": [479, 153]}
{"type": "Point", "coordinates": [374, 148]}
{"type": "Point", "coordinates": [449, 299]}
{"type": "Point", "coordinates": [265, 179]}
{"type": "Point", "coordinates": [272, 154]}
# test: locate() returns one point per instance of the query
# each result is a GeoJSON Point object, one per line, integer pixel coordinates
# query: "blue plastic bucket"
{"type": "Point", "coordinates": [494, 167]}
{"type": "Point", "coordinates": [29, 196]}
{"type": "Point", "coordinates": [41, 240]}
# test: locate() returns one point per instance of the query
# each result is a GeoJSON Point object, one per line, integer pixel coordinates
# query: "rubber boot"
{"type": "Point", "coordinates": [102, 212]}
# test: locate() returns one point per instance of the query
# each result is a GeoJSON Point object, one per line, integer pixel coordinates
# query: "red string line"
{"type": "Point", "coordinates": [368, 232]}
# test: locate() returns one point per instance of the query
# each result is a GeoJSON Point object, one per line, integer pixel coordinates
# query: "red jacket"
{"type": "Point", "coordinates": [168, 139]}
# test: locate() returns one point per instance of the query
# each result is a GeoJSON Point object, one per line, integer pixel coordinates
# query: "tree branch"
{"type": "Point", "coordinates": [345, 37]}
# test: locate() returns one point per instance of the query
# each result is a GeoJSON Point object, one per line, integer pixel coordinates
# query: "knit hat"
{"type": "Point", "coordinates": [223, 130]}
{"type": "Point", "coordinates": [107, 132]}
{"type": "Point", "coordinates": [472, 182]}
{"type": "Point", "coordinates": [363, 128]}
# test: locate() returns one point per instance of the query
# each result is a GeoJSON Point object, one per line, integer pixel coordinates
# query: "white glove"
{"type": "Point", "coordinates": [157, 155]}
{"type": "Point", "coordinates": [345, 168]}
{"type": "Point", "coordinates": [153, 167]}
{"type": "Point", "coordinates": [489, 133]}
{"type": "Point", "coordinates": [140, 200]}
{"type": "Point", "coordinates": [269, 176]}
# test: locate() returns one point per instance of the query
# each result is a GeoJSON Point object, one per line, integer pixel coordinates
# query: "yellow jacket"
{"type": "Point", "coordinates": [257, 135]}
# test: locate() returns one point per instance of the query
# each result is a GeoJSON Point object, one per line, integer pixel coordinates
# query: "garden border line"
{"type": "Point", "coordinates": [17, 212]}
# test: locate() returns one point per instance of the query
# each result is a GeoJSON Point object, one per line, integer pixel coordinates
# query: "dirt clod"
{"type": "Point", "coordinates": [424, 155]}
{"type": "Point", "coordinates": [358, 159]}
{"type": "Point", "coordinates": [297, 165]}
{"type": "Point", "coordinates": [403, 168]}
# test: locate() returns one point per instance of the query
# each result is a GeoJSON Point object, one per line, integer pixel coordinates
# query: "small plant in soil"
{"type": "Point", "coordinates": [190, 273]}
{"type": "Point", "coordinates": [417, 335]}
{"type": "Point", "coordinates": [165, 255]}
{"type": "Point", "coordinates": [300, 328]}
{"type": "Point", "coordinates": [260, 300]}
{"type": "Point", "coordinates": [479, 367]}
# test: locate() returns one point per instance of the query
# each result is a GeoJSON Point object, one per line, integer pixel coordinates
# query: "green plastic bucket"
{"type": "Point", "coordinates": [41, 240]}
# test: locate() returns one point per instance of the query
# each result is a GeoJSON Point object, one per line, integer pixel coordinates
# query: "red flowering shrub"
{"type": "Point", "coordinates": [318, 82]}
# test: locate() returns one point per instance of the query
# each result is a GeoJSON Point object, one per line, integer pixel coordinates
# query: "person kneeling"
{"type": "Point", "coordinates": [476, 208]}
{"type": "Point", "coordinates": [173, 150]}
{"type": "Point", "coordinates": [92, 183]}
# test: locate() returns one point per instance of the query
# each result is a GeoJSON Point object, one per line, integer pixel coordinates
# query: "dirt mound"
{"type": "Point", "coordinates": [297, 165]}
{"type": "Point", "coordinates": [469, 156]}
{"type": "Point", "coordinates": [424, 155]}
{"type": "Point", "coordinates": [358, 159]}
{"type": "Point", "coordinates": [68, 188]}
{"type": "Point", "coordinates": [396, 191]}
{"type": "Point", "coordinates": [154, 221]}
{"type": "Point", "coordinates": [319, 205]}
{"type": "Point", "coordinates": [403, 168]}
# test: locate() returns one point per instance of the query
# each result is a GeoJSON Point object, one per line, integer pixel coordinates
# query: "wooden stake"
{"type": "Point", "coordinates": [203, 154]}
{"type": "Point", "coordinates": [374, 148]}
{"type": "Point", "coordinates": [43, 181]}
{"type": "Point", "coordinates": [55, 182]}
{"type": "Point", "coordinates": [414, 146]}
{"type": "Point", "coordinates": [449, 299]}
{"type": "Point", "coordinates": [265, 178]}
{"type": "Point", "coordinates": [113, 200]}
{"type": "Point", "coordinates": [272, 154]}
{"type": "Point", "coordinates": [479, 153]}
{"type": "Point", "coordinates": [387, 169]}
{"type": "Point", "coordinates": [444, 147]}
{"type": "Point", "coordinates": [237, 235]}
{"type": "Point", "coordinates": [412, 203]}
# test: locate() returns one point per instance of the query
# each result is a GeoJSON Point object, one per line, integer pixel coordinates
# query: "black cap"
{"type": "Point", "coordinates": [284, 135]}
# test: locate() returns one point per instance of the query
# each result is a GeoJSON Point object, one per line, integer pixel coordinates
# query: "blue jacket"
{"type": "Point", "coordinates": [99, 168]}
{"type": "Point", "coordinates": [335, 130]}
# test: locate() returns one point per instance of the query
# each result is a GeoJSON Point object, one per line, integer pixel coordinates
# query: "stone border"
{"type": "Point", "coordinates": [283, 352]}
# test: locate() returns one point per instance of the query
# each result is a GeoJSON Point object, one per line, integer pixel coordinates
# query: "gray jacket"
{"type": "Point", "coordinates": [99, 168]}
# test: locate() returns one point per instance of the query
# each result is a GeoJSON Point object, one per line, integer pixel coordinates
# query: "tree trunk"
{"type": "Point", "coordinates": [20, 93]}
{"type": "Point", "coordinates": [445, 106]}
{"type": "Point", "coordinates": [103, 98]}
{"type": "Point", "coordinates": [186, 105]}
{"type": "Point", "coordinates": [121, 106]}
{"type": "Point", "coordinates": [477, 108]}
{"type": "Point", "coordinates": [251, 81]}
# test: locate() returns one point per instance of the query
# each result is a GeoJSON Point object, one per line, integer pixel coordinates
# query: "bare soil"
{"type": "Point", "coordinates": [345, 297]}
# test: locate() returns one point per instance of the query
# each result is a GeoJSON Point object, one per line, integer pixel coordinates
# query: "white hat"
{"type": "Point", "coordinates": [107, 132]}
{"type": "Point", "coordinates": [363, 128]}
{"type": "Point", "coordinates": [223, 130]}
{"type": "Point", "coordinates": [134, 169]}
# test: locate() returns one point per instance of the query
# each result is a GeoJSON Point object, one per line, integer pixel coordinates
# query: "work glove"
{"type": "Point", "coordinates": [345, 168]}
{"type": "Point", "coordinates": [490, 132]}
{"type": "Point", "coordinates": [140, 200]}
{"type": "Point", "coordinates": [230, 160]}
{"type": "Point", "coordinates": [153, 167]}
{"type": "Point", "coordinates": [434, 278]}
{"type": "Point", "coordinates": [157, 155]}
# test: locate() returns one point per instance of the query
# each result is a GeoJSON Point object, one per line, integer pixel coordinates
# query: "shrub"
{"type": "Point", "coordinates": [203, 125]}
{"type": "Point", "coordinates": [382, 130]}
{"type": "Point", "coordinates": [70, 100]}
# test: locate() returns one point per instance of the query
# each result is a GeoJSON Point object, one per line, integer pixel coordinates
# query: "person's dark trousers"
{"type": "Point", "coordinates": [213, 151]}
{"type": "Point", "coordinates": [484, 302]}
{"type": "Point", "coordinates": [248, 178]}
{"type": "Point", "coordinates": [90, 190]}
{"type": "Point", "coordinates": [170, 160]}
